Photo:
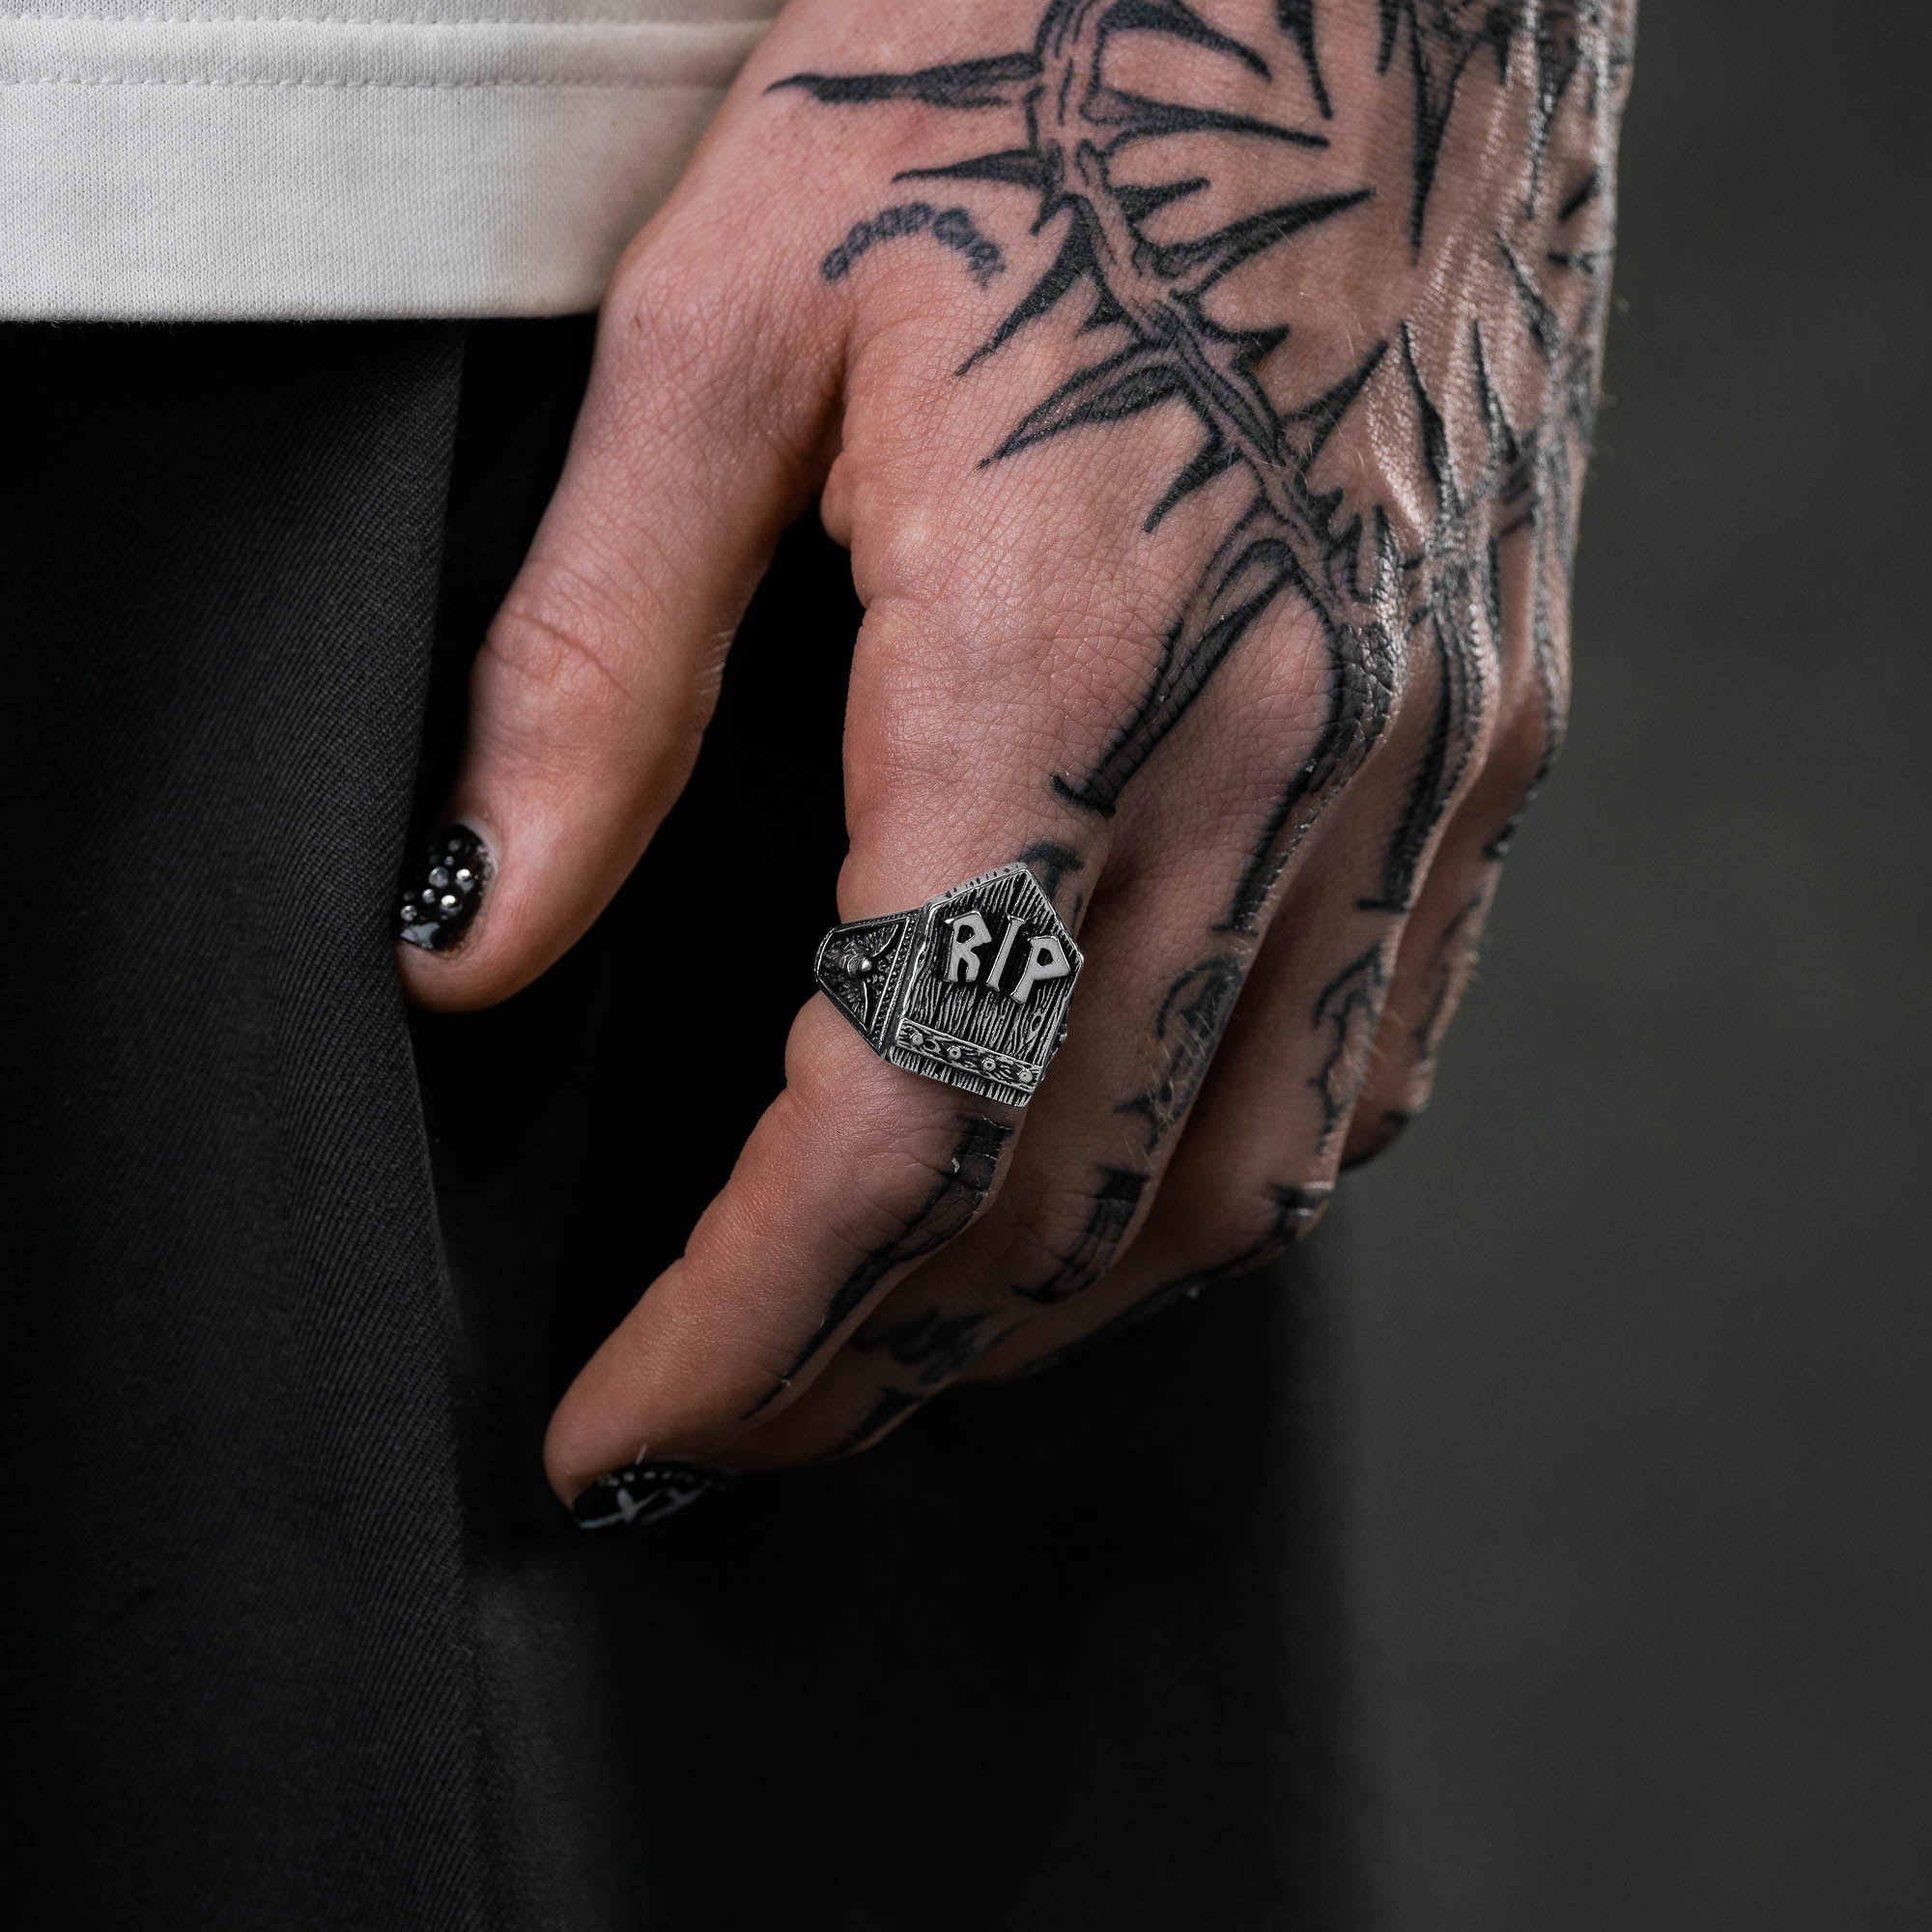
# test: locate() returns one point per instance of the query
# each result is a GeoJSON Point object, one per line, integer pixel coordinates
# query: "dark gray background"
{"type": "Point", "coordinates": [1649, 1333]}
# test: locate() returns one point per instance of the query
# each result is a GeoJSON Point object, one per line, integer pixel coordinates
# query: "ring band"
{"type": "Point", "coordinates": [970, 988]}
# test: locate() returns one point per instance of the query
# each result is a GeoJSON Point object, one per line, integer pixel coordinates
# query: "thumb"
{"type": "Point", "coordinates": [697, 443]}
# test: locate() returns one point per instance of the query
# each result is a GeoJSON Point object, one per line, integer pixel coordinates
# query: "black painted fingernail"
{"type": "Point", "coordinates": [644, 1492]}
{"type": "Point", "coordinates": [440, 898]}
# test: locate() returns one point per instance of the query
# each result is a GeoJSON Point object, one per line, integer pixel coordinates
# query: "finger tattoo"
{"type": "Point", "coordinates": [958, 1194]}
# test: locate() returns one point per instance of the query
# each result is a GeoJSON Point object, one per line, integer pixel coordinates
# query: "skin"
{"type": "Point", "coordinates": [1260, 640]}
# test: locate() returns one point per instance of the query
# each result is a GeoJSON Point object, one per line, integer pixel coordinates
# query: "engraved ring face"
{"type": "Point", "coordinates": [972, 989]}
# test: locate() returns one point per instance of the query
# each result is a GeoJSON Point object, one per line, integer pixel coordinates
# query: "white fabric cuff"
{"type": "Point", "coordinates": [282, 167]}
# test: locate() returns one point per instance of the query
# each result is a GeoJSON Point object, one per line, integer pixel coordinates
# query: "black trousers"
{"type": "Point", "coordinates": [293, 1634]}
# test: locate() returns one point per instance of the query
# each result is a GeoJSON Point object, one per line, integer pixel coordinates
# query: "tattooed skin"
{"type": "Point", "coordinates": [1350, 1006]}
{"type": "Point", "coordinates": [1189, 1024]}
{"type": "Point", "coordinates": [1051, 863]}
{"type": "Point", "coordinates": [935, 1345]}
{"type": "Point", "coordinates": [1451, 961]}
{"type": "Point", "coordinates": [1115, 1201]}
{"type": "Point", "coordinates": [1381, 582]}
{"type": "Point", "coordinates": [957, 1195]}
{"type": "Point", "coordinates": [1293, 1211]}
{"type": "Point", "coordinates": [938, 1347]}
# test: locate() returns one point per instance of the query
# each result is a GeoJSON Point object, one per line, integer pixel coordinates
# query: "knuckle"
{"type": "Point", "coordinates": [1378, 685]}
{"type": "Point", "coordinates": [908, 550]}
{"type": "Point", "coordinates": [1521, 754]}
{"type": "Point", "coordinates": [1522, 745]}
{"type": "Point", "coordinates": [913, 1202]}
{"type": "Point", "coordinates": [1529, 741]}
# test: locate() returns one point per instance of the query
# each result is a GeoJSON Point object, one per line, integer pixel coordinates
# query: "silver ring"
{"type": "Point", "coordinates": [970, 988]}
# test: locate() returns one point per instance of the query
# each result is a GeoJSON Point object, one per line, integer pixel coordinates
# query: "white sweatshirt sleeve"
{"type": "Point", "coordinates": [324, 158]}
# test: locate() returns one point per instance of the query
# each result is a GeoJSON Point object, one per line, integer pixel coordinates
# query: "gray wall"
{"type": "Point", "coordinates": [1650, 1335]}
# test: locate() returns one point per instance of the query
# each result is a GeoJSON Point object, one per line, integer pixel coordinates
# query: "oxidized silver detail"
{"type": "Point", "coordinates": [971, 988]}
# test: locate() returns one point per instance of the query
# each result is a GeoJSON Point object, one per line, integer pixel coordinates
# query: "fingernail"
{"type": "Point", "coordinates": [644, 1492]}
{"type": "Point", "coordinates": [440, 898]}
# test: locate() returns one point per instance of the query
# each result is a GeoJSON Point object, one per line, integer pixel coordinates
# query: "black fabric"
{"type": "Point", "coordinates": [295, 1635]}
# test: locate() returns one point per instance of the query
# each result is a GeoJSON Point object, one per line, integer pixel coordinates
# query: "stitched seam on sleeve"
{"type": "Point", "coordinates": [631, 83]}
{"type": "Point", "coordinates": [360, 20]}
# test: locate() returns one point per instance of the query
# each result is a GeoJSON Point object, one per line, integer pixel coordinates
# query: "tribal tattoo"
{"type": "Point", "coordinates": [1188, 1028]}
{"type": "Point", "coordinates": [1399, 473]}
{"type": "Point", "coordinates": [1451, 962]}
{"type": "Point", "coordinates": [1350, 1008]}
{"type": "Point", "coordinates": [1382, 585]}
{"type": "Point", "coordinates": [935, 1347]}
{"type": "Point", "coordinates": [1052, 863]}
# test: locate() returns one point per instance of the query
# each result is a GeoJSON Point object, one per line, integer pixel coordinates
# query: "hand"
{"type": "Point", "coordinates": [1204, 394]}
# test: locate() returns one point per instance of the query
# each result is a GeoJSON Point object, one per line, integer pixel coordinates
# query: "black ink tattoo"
{"type": "Point", "coordinates": [957, 1195]}
{"type": "Point", "coordinates": [937, 1346]}
{"type": "Point", "coordinates": [1350, 1007]}
{"type": "Point", "coordinates": [1297, 19]}
{"type": "Point", "coordinates": [938, 1349]}
{"type": "Point", "coordinates": [1581, 195]}
{"type": "Point", "coordinates": [1051, 862]}
{"type": "Point", "coordinates": [1191, 1023]}
{"type": "Point", "coordinates": [1548, 505]}
{"type": "Point", "coordinates": [1443, 37]}
{"type": "Point", "coordinates": [1446, 760]}
{"type": "Point", "coordinates": [1076, 124]}
{"type": "Point", "coordinates": [953, 226]}
{"type": "Point", "coordinates": [1304, 533]}
{"type": "Point", "coordinates": [1293, 1211]}
{"type": "Point", "coordinates": [1114, 1202]}
{"type": "Point", "coordinates": [1451, 625]}
{"type": "Point", "coordinates": [1448, 965]}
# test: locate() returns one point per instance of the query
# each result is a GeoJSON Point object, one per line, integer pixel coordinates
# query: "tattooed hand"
{"type": "Point", "coordinates": [1204, 392]}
